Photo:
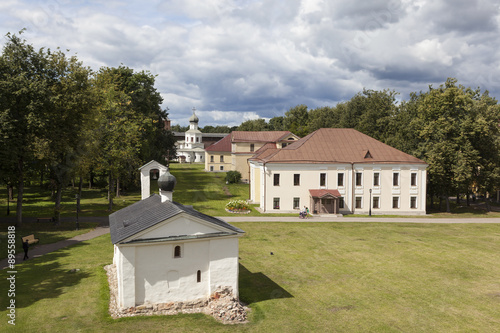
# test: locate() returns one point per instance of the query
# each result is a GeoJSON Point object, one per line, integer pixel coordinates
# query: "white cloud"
{"type": "Point", "coordinates": [258, 58]}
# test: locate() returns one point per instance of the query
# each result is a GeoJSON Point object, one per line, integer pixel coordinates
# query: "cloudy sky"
{"type": "Point", "coordinates": [236, 60]}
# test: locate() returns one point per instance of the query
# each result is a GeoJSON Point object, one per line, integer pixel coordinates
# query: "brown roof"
{"type": "Point", "coordinates": [258, 136]}
{"type": "Point", "coordinates": [338, 145]}
{"type": "Point", "coordinates": [324, 193]}
{"type": "Point", "coordinates": [223, 145]}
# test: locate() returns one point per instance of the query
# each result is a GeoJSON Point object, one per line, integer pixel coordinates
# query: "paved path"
{"type": "Point", "coordinates": [40, 250]}
{"type": "Point", "coordinates": [423, 219]}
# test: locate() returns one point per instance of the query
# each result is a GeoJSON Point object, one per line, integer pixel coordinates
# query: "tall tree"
{"type": "Point", "coordinates": [23, 98]}
{"type": "Point", "coordinates": [296, 120]}
{"type": "Point", "coordinates": [70, 113]}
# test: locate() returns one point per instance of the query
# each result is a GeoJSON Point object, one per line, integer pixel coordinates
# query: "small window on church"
{"type": "Point", "coordinates": [197, 139]}
{"type": "Point", "coordinates": [177, 251]}
{"type": "Point", "coordinates": [198, 276]}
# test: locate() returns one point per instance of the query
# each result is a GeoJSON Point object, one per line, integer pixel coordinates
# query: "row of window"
{"type": "Point", "coordinates": [358, 179]}
{"type": "Point", "coordinates": [221, 159]}
{"type": "Point", "coordinates": [192, 139]}
{"type": "Point", "coordinates": [221, 168]}
{"type": "Point", "coordinates": [358, 200]}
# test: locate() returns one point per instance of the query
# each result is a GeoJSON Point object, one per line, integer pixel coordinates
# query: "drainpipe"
{"type": "Point", "coordinates": [352, 187]}
{"type": "Point", "coordinates": [264, 167]}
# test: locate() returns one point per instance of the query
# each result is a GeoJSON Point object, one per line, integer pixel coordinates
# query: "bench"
{"type": "Point", "coordinates": [30, 238]}
{"type": "Point", "coordinates": [48, 219]}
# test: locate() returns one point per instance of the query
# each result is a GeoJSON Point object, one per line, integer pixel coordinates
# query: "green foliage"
{"type": "Point", "coordinates": [59, 117]}
{"type": "Point", "coordinates": [237, 205]}
{"type": "Point", "coordinates": [254, 125]}
{"type": "Point", "coordinates": [233, 177]}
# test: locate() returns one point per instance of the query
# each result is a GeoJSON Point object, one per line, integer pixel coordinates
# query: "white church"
{"type": "Point", "coordinates": [167, 252]}
{"type": "Point", "coordinates": [191, 149]}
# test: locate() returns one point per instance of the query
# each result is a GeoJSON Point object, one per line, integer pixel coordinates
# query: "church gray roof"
{"type": "Point", "coordinates": [148, 212]}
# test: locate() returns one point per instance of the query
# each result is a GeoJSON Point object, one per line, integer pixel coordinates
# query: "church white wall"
{"type": "Point", "coordinates": [151, 273]}
{"type": "Point", "coordinates": [126, 273]}
{"type": "Point", "coordinates": [224, 268]}
{"type": "Point", "coordinates": [180, 225]}
{"type": "Point", "coordinates": [286, 191]}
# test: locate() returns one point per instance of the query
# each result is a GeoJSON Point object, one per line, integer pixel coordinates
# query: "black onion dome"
{"type": "Point", "coordinates": [194, 118]}
{"type": "Point", "coordinates": [167, 182]}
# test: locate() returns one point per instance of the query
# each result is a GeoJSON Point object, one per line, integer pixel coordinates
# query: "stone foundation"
{"type": "Point", "coordinates": [222, 305]}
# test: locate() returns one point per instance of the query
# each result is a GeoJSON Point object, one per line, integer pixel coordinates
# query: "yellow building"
{"type": "Point", "coordinates": [233, 152]}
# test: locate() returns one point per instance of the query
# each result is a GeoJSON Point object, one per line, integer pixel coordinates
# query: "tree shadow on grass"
{"type": "Point", "coordinates": [257, 287]}
{"type": "Point", "coordinates": [42, 278]}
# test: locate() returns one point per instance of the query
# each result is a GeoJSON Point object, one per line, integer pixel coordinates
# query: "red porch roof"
{"type": "Point", "coordinates": [324, 193]}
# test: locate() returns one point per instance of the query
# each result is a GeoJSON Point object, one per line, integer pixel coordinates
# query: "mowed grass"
{"type": "Point", "coordinates": [321, 277]}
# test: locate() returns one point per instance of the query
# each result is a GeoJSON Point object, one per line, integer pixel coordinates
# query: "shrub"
{"type": "Point", "coordinates": [233, 177]}
{"type": "Point", "coordinates": [237, 205]}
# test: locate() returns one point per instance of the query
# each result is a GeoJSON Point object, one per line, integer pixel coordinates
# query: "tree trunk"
{"type": "Point", "coordinates": [448, 209]}
{"type": "Point", "coordinates": [42, 169]}
{"type": "Point", "coordinates": [78, 198]}
{"type": "Point", "coordinates": [91, 179]}
{"type": "Point", "coordinates": [467, 198]}
{"type": "Point", "coordinates": [110, 192]}
{"type": "Point", "coordinates": [10, 189]}
{"type": "Point", "coordinates": [20, 190]}
{"type": "Point", "coordinates": [458, 199]}
{"type": "Point", "coordinates": [117, 187]}
{"type": "Point", "coordinates": [487, 202]}
{"type": "Point", "coordinates": [57, 209]}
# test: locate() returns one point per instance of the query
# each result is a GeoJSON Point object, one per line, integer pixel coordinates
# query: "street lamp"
{"type": "Point", "coordinates": [370, 207]}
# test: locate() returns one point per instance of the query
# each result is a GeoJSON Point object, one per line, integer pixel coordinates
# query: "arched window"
{"type": "Point", "coordinates": [177, 251]}
{"type": "Point", "coordinates": [198, 276]}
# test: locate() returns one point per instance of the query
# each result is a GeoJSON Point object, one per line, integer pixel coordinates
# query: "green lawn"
{"type": "Point", "coordinates": [205, 191]}
{"type": "Point", "coordinates": [322, 277]}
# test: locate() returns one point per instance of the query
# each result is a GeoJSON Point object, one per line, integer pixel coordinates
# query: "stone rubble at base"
{"type": "Point", "coordinates": [222, 305]}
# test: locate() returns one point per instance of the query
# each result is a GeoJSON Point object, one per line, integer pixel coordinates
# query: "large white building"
{"type": "Point", "coordinates": [167, 252]}
{"type": "Point", "coordinates": [338, 171]}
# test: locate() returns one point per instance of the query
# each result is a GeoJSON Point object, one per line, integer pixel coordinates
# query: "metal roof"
{"type": "Point", "coordinates": [146, 213]}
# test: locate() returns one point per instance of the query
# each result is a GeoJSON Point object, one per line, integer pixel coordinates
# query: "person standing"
{"type": "Point", "coordinates": [25, 248]}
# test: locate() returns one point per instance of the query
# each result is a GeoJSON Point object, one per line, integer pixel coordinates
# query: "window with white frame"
{"type": "Point", "coordinates": [359, 179]}
{"type": "Point", "coordinates": [359, 202]}
{"type": "Point", "coordinates": [296, 179]}
{"type": "Point", "coordinates": [413, 179]}
{"type": "Point", "coordinates": [395, 179]}
{"type": "Point", "coordinates": [341, 202]}
{"type": "Point", "coordinates": [276, 203]}
{"type": "Point", "coordinates": [395, 202]}
{"type": "Point", "coordinates": [296, 203]}
{"type": "Point", "coordinates": [322, 179]}
{"type": "Point", "coordinates": [340, 179]}
{"type": "Point", "coordinates": [413, 202]}
{"type": "Point", "coordinates": [376, 202]}
{"type": "Point", "coordinates": [376, 179]}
